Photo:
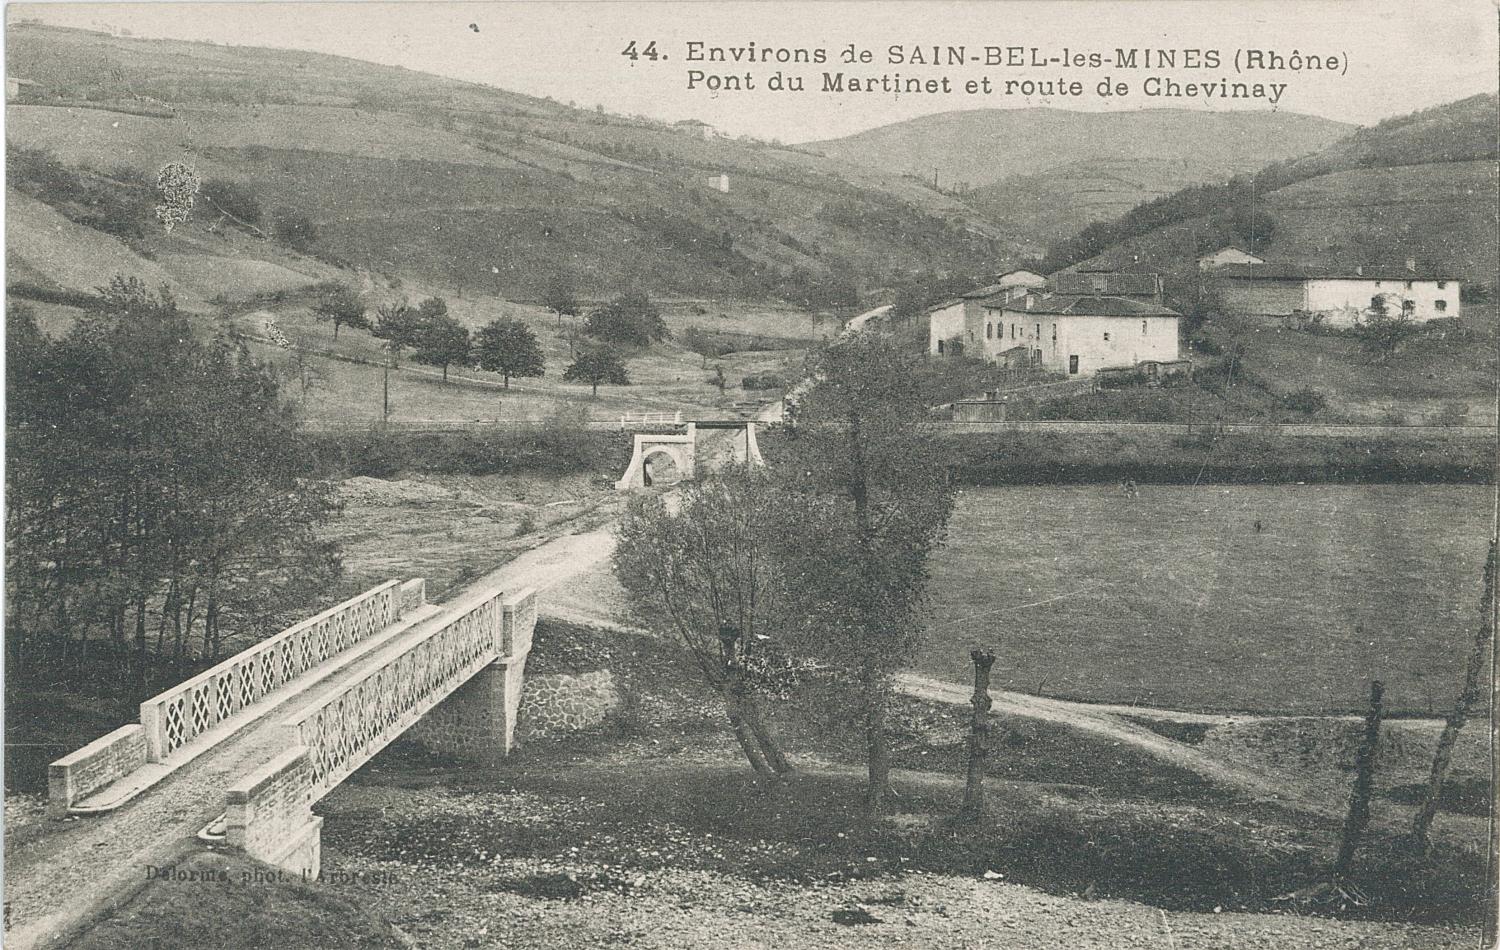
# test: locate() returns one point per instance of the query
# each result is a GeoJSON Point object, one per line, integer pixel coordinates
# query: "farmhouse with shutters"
{"type": "Point", "coordinates": [1079, 334]}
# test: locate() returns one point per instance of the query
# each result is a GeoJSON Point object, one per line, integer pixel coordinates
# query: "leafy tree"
{"type": "Point", "coordinates": [630, 319]}
{"type": "Point", "coordinates": [340, 305]}
{"type": "Point", "coordinates": [596, 365]}
{"type": "Point", "coordinates": [508, 347]}
{"type": "Point", "coordinates": [177, 188]}
{"type": "Point", "coordinates": [560, 297]}
{"type": "Point", "coordinates": [705, 344]}
{"type": "Point", "coordinates": [703, 569]}
{"type": "Point", "coordinates": [1385, 333]}
{"type": "Point", "coordinates": [399, 325]}
{"type": "Point", "coordinates": [865, 499]}
{"type": "Point", "coordinates": [441, 340]}
{"type": "Point", "coordinates": [157, 485]}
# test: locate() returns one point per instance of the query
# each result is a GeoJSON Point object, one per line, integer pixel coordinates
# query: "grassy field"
{"type": "Point", "coordinates": [347, 380]}
{"type": "Point", "coordinates": [1433, 379]}
{"type": "Point", "coordinates": [1174, 598]}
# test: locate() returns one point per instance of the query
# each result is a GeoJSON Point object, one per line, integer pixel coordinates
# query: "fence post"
{"type": "Point", "coordinates": [973, 807]}
{"type": "Point", "coordinates": [1364, 780]}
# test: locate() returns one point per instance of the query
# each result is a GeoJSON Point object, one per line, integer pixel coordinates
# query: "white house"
{"type": "Point", "coordinates": [959, 319]}
{"type": "Point", "coordinates": [1227, 255]}
{"type": "Point", "coordinates": [1340, 297]}
{"type": "Point", "coordinates": [1079, 334]}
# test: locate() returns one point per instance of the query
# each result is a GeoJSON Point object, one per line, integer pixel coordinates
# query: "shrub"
{"type": "Point", "coordinates": [1306, 400]}
{"type": "Point", "coordinates": [763, 381]}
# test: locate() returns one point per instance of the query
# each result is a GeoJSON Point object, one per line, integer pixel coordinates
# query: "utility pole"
{"type": "Point", "coordinates": [385, 401]}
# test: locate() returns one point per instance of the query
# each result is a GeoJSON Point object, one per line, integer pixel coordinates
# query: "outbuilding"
{"type": "Point", "coordinates": [1335, 296]}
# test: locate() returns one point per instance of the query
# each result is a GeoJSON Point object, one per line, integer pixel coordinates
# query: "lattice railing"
{"type": "Point", "coordinates": [396, 687]}
{"type": "Point", "coordinates": [173, 718]}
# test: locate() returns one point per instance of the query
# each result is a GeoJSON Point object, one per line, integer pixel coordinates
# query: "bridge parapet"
{"type": "Point", "coordinates": [270, 814]}
{"type": "Point", "coordinates": [395, 687]}
{"type": "Point", "coordinates": [194, 706]}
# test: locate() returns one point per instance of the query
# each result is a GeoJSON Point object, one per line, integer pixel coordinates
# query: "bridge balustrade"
{"type": "Point", "coordinates": [173, 718]}
{"type": "Point", "coordinates": [398, 686]}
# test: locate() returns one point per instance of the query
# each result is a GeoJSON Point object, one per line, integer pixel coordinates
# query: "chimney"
{"type": "Point", "coordinates": [1359, 269]}
{"type": "Point", "coordinates": [1411, 264]}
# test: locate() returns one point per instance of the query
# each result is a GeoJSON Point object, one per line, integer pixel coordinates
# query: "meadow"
{"type": "Point", "coordinates": [1176, 598]}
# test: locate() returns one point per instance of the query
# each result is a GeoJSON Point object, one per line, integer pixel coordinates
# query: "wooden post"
{"type": "Point", "coordinates": [1364, 780]}
{"type": "Point", "coordinates": [1468, 695]}
{"type": "Point", "coordinates": [973, 808]}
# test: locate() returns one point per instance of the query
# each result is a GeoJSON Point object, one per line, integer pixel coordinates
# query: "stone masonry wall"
{"type": "Point", "coordinates": [553, 704]}
{"type": "Point", "coordinates": [270, 813]}
{"type": "Point", "coordinates": [476, 722]}
{"type": "Point", "coordinates": [94, 766]}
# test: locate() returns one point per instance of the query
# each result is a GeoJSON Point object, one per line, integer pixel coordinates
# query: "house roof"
{"type": "Point", "coordinates": [1019, 271]}
{"type": "Point", "coordinates": [989, 291]}
{"type": "Point", "coordinates": [690, 122]}
{"type": "Point", "coordinates": [1081, 305]}
{"type": "Point", "coordinates": [1115, 282]}
{"type": "Point", "coordinates": [1231, 247]}
{"type": "Point", "coordinates": [1279, 271]}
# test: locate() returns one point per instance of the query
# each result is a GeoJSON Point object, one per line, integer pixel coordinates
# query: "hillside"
{"type": "Point", "coordinates": [1042, 174]}
{"type": "Point", "coordinates": [1420, 186]}
{"type": "Point", "coordinates": [473, 187]}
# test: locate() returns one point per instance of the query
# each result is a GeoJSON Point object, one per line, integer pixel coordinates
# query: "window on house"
{"type": "Point", "coordinates": [1143, 327]}
{"type": "Point", "coordinates": [1054, 333]}
{"type": "Point", "coordinates": [1038, 331]}
{"type": "Point", "coordinates": [1441, 305]}
{"type": "Point", "coordinates": [989, 331]}
{"type": "Point", "coordinates": [940, 346]}
{"type": "Point", "coordinates": [1442, 285]}
{"type": "Point", "coordinates": [1012, 331]}
{"type": "Point", "coordinates": [1106, 338]}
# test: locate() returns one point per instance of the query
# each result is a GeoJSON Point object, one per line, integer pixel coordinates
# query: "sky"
{"type": "Point", "coordinates": [1402, 55]}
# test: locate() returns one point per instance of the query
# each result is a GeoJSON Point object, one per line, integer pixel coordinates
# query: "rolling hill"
{"type": "Point", "coordinates": [1420, 186]}
{"type": "Point", "coordinates": [471, 187]}
{"type": "Point", "coordinates": [1042, 174]}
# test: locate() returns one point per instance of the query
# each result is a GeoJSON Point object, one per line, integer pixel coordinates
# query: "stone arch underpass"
{"type": "Point", "coordinates": [254, 742]}
{"type": "Point", "coordinates": [683, 448]}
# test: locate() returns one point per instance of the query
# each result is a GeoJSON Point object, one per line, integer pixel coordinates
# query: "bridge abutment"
{"type": "Point", "coordinates": [478, 721]}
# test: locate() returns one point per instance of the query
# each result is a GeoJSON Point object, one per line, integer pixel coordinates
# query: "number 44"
{"type": "Point", "coordinates": [649, 51]}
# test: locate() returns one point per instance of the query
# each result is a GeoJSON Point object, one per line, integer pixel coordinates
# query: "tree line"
{"type": "Point", "coordinates": [159, 489]}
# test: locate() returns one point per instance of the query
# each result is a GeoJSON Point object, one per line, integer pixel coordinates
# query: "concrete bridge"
{"type": "Point", "coordinates": [240, 753]}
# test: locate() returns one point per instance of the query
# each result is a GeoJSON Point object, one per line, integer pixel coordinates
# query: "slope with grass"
{"type": "Point", "coordinates": [1422, 186]}
{"type": "Point", "coordinates": [481, 189]}
{"type": "Point", "coordinates": [1043, 174]}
